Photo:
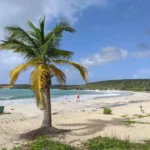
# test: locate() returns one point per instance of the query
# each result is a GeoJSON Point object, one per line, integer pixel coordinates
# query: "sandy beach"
{"type": "Point", "coordinates": [85, 119]}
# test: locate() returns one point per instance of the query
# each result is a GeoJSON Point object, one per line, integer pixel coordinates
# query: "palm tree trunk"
{"type": "Point", "coordinates": [47, 119]}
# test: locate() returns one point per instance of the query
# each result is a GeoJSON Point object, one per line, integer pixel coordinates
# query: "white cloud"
{"type": "Point", "coordinates": [8, 61]}
{"type": "Point", "coordinates": [141, 54]}
{"type": "Point", "coordinates": [71, 9]}
{"type": "Point", "coordinates": [8, 58]}
{"type": "Point", "coordinates": [17, 12]}
{"type": "Point", "coordinates": [74, 77]}
{"type": "Point", "coordinates": [105, 55]}
{"type": "Point", "coordinates": [143, 73]}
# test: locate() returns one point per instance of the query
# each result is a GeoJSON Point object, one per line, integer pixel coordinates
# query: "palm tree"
{"type": "Point", "coordinates": [42, 52]}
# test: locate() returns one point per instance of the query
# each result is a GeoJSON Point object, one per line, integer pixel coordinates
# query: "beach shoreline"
{"type": "Point", "coordinates": [76, 115]}
{"type": "Point", "coordinates": [25, 96]}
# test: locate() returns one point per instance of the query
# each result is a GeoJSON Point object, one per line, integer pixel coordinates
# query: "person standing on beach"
{"type": "Point", "coordinates": [78, 97]}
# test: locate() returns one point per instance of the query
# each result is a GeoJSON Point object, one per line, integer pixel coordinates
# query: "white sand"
{"type": "Point", "coordinates": [85, 118]}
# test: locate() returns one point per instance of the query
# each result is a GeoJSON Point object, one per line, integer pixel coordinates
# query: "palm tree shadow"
{"type": "Point", "coordinates": [93, 126]}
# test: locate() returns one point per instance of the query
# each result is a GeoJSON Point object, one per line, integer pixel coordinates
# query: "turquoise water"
{"type": "Point", "coordinates": [10, 94]}
{"type": "Point", "coordinates": [16, 96]}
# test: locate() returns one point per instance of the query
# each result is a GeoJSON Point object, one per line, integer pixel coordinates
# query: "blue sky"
{"type": "Point", "coordinates": [112, 38]}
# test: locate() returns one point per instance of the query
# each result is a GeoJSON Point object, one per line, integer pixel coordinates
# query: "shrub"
{"type": "Point", "coordinates": [124, 116]}
{"type": "Point", "coordinates": [44, 144]}
{"type": "Point", "coordinates": [141, 116]}
{"type": "Point", "coordinates": [107, 111]}
{"type": "Point", "coordinates": [106, 143]}
{"type": "Point", "coordinates": [128, 122]}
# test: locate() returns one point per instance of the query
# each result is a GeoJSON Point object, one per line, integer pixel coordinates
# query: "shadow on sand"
{"type": "Point", "coordinates": [93, 126]}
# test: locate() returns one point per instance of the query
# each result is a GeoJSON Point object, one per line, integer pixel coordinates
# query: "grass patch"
{"type": "Point", "coordinates": [99, 143]}
{"type": "Point", "coordinates": [128, 122]}
{"type": "Point", "coordinates": [44, 144]}
{"type": "Point", "coordinates": [107, 111]}
{"type": "Point", "coordinates": [124, 116]}
{"type": "Point", "coordinates": [106, 143]}
{"type": "Point", "coordinates": [135, 115]}
{"type": "Point", "coordinates": [142, 116]}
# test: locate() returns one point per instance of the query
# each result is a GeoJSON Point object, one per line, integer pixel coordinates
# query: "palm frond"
{"type": "Point", "coordinates": [50, 50]}
{"type": "Point", "coordinates": [57, 31]}
{"type": "Point", "coordinates": [51, 41]}
{"type": "Point", "coordinates": [37, 33]}
{"type": "Point", "coordinates": [64, 25]}
{"type": "Point", "coordinates": [42, 25]}
{"type": "Point", "coordinates": [20, 35]}
{"type": "Point", "coordinates": [80, 68]}
{"type": "Point", "coordinates": [38, 83]}
{"type": "Point", "coordinates": [46, 47]}
{"type": "Point", "coordinates": [59, 54]}
{"type": "Point", "coordinates": [58, 74]}
{"type": "Point", "coordinates": [18, 47]}
{"type": "Point", "coordinates": [34, 33]}
{"type": "Point", "coordinates": [31, 26]}
{"type": "Point", "coordinates": [15, 72]}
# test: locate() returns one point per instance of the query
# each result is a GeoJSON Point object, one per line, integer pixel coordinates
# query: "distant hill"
{"type": "Point", "coordinates": [27, 86]}
{"type": "Point", "coordinates": [128, 84]}
{"type": "Point", "coordinates": [17, 86]}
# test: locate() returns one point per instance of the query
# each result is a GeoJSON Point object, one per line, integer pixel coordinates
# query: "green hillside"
{"type": "Point", "coordinates": [133, 85]}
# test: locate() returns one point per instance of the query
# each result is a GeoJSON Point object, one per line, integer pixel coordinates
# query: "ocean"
{"type": "Point", "coordinates": [26, 96]}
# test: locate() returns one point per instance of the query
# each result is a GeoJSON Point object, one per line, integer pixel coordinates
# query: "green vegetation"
{"type": "Point", "coordinates": [21, 86]}
{"type": "Point", "coordinates": [107, 143]}
{"type": "Point", "coordinates": [124, 116]}
{"type": "Point", "coordinates": [128, 122]}
{"type": "Point", "coordinates": [135, 115]}
{"type": "Point", "coordinates": [107, 111]}
{"type": "Point", "coordinates": [27, 86]}
{"type": "Point", "coordinates": [44, 144]}
{"type": "Point", "coordinates": [142, 116]}
{"type": "Point", "coordinates": [99, 143]}
{"type": "Point", "coordinates": [129, 85]}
